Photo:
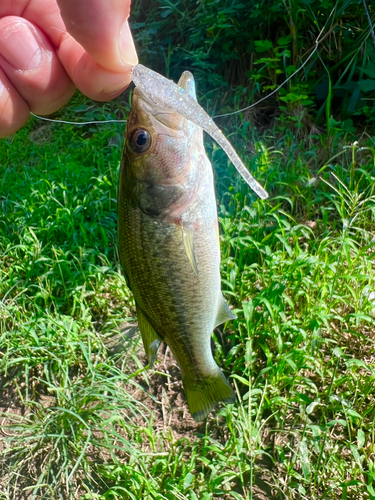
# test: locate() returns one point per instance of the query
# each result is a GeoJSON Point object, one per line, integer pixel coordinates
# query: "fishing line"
{"type": "Point", "coordinates": [289, 77]}
{"type": "Point", "coordinates": [369, 21]}
{"type": "Point", "coordinates": [317, 41]}
{"type": "Point", "coordinates": [77, 123]}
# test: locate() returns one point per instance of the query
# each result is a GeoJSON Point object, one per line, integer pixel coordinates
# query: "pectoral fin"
{"type": "Point", "coordinates": [188, 235]}
{"type": "Point", "coordinates": [151, 340]}
{"type": "Point", "coordinates": [224, 314]}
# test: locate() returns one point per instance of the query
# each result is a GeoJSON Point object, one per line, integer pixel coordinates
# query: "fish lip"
{"type": "Point", "coordinates": [158, 111]}
{"type": "Point", "coordinates": [149, 101]}
{"type": "Point", "coordinates": [144, 97]}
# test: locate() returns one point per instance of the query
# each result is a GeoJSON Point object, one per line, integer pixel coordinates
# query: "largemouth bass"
{"type": "Point", "coordinates": [169, 244]}
{"type": "Point", "coordinates": [166, 93]}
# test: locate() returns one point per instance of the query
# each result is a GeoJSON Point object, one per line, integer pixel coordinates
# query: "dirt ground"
{"type": "Point", "coordinates": [170, 410]}
{"type": "Point", "coordinates": [164, 395]}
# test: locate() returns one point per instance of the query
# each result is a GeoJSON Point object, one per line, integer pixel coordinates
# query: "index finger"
{"type": "Point", "coordinates": [92, 40]}
{"type": "Point", "coordinates": [101, 27]}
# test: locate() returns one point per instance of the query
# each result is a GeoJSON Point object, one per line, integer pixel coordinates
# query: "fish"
{"type": "Point", "coordinates": [169, 244]}
{"type": "Point", "coordinates": [165, 92]}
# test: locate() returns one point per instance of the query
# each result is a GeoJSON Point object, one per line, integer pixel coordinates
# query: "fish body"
{"type": "Point", "coordinates": [169, 244]}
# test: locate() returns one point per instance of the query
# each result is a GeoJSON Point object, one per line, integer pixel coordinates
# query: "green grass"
{"type": "Point", "coordinates": [76, 421]}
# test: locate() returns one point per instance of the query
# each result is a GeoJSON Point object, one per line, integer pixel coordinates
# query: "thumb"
{"type": "Point", "coordinates": [101, 27]}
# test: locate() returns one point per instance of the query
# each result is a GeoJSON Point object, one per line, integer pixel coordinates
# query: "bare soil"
{"type": "Point", "coordinates": [162, 393]}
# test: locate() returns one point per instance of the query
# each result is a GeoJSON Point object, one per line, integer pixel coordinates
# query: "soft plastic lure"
{"type": "Point", "coordinates": [166, 93]}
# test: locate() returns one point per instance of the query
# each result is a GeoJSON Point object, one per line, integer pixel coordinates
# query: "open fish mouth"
{"type": "Point", "coordinates": [162, 113]}
{"type": "Point", "coordinates": [182, 99]}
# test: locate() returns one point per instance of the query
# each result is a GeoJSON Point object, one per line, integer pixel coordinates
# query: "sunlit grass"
{"type": "Point", "coordinates": [298, 269]}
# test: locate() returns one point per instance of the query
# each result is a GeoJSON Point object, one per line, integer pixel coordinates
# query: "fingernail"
{"type": "Point", "coordinates": [19, 47]}
{"type": "Point", "coordinates": [128, 53]}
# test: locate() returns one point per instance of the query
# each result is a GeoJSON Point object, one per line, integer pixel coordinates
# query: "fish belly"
{"type": "Point", "coordinates": [180, 304]}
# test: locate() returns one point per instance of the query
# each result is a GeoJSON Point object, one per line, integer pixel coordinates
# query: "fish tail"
{"type": "Point", "coordinates": [203, 395]}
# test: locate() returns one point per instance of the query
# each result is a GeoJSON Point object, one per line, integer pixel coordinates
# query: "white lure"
{"type": "Point", "coordinates": [166, 93]}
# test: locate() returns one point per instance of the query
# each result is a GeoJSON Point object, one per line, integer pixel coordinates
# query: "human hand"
{"type": "Point", "coordinates": [49, 47]}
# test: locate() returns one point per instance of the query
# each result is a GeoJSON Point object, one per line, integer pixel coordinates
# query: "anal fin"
{"type": "Point", "coordinates": [224, 314]}
{"type": "Point", "coordinates": [151, 340]}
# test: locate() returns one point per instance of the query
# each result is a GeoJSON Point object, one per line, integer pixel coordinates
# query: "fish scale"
{"type": "Point", "coordinates": [172, 294]}
{"type": "Point", "coordinates": [169, 246]}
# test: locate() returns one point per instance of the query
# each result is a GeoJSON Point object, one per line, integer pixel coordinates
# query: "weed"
{"type": "Point", "coordinates": [78, 417]}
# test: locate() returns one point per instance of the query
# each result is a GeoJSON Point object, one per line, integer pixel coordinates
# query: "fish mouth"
{"type": "Point", "coordinates": [162, 114]}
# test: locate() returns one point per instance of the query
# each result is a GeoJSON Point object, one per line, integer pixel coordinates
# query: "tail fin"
{"type": "Point", "coordinates": [202, 396]}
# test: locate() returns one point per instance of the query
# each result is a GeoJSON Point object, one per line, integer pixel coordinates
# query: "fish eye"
{"type": "Point", "coordinates": [140, 140]}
